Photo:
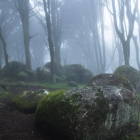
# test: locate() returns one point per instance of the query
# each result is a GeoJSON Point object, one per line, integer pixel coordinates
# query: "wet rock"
{"type": "Point", "coordinates": [78, 73]}
{"type": "Point", "coordinates": [72, 84]}
{"type": "Point", "coordinates": [130, 73]}
{"type": "Point", "coordinates": [23, 76]}
{"type": "Point", "coordinates": [43, 74]}
{"type": "Point", "coordinates": [112, 80]}
{"type": "Point", "coordinates": [90, 113]}
{"type": "Point", "coordinates": [27, 101]}
{"type": "Point", "coordinates": [15, 68]}
{"type": "Point", "coordinates": [59, 70]}
{"type": "Point", "coordinates": [22, 84]}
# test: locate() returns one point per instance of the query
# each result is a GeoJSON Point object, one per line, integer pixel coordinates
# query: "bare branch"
{"type": "Point", "coordinates": [30, 37]}
{"type": "Point", "coordinates": [107, 8]}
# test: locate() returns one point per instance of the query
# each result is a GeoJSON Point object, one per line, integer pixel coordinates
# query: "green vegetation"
{"type": "Point", "coordinates": [55, 104]}
{"type": "Point", "coordinates": [4, 94]}
{"type": "Point", "coordinates": [54, 85]}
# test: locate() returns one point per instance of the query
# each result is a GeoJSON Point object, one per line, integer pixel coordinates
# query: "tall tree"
{"type": "Point", "coordinates": [124, 33]}
{"type": "Point", "coordinates": [23, 9]}
{"type": "Point", "coordinates": [47, 10]}
{"type": "Point", "coordinates": [5, 52]}
{"type": "Point", "coordinates": [56, 28]}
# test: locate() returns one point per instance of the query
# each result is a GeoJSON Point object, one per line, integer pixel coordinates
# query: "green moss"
{"type": "Point", "coordinates": [67, 113]}
{"type": "Point", "coordinates": [5, 94]}
{"type": "Point", "coordinates": [130, 73]}
{"type": "Point", "coordinates": [112, 80]}
{"type": "Point", "coordinates": [59, 70]}
{"type": "Point", "coordinates": [58, 112]}
{"type": "Point", "coordinates": [25, 101]}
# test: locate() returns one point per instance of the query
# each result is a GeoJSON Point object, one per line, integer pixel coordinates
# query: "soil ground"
{"type": "Point", "coordinates": [15, 125]}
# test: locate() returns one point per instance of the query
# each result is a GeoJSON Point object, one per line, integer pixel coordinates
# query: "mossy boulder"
{"type": "Point", "coordinates": [78, 73]}
{"type": "Point", "coordinates": [15, 68]}
{"type": "Point", "coordinates": [112, 80]}
{"type": "Point", "coordinates": [22, 76]}
{"type": "Point", "coordinates": [31, 74]}
{"type": "Point", "coordinates": [74, 68]}
{"type": "Point", "coordinates": [43, 74]}
{"type": "Point", "coordinates": [89, 113]}
{"type": "Point", "coordinates": [59, 71]}
{"type": "Point", "coordinates": [130, 73]}
{"type": "Point", "coordinates": [72, 84]}
{"type": "Point", "coordinates": [27, 101]}
{"type": "Point", "coordinates": [68, 70]}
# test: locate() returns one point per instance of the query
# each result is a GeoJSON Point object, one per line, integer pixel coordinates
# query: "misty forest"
{"type": "Point", "coordinates": [69, 69]}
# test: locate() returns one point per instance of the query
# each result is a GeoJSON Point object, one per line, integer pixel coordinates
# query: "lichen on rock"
{"type": "Point", "coordinates": [95, 112]}
{"type": "Point", "coordinates": [130, 73]}
{"type": "Point", "coordinates": [27, 101]}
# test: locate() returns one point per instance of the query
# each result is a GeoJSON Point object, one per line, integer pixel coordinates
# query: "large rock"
{"type": "Point", "coordinates": [18, 71]}
{"type": "Point", "coordinates": [23, 76]}
{"type": "Point", "coordinates": [15, 68]}
{"type": "Point", "coordinates": [59, 71]}
{"type": "Point", "coordinates": [90, 113]}
{"type": "Point", "coordinates": [78, 73]}
{"type": "Point", "coordinates": [43, 74]}
{"type": "Point", "coordinates": [27, 101]}
{"type": "Point", "coordinates": [112, 80]}
{"type": "Point", "coordinates": [130, 73]}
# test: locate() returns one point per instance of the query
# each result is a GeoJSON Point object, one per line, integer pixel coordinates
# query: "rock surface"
{"type": "Point", "coordinates": [112, 80]}
{"type": "Point", "coordinates": [130, 73]}
{"type": "Point", "coordinates": [89, 113]}
{"type": "Point", "coordinates": [59, 70]}
{"type": "Point", "coordinates": [72, 84]}
{"type": "Point", "coordinates": [78, 73]}
{"type": "Point", "coordinates": [43, 74]}
{"type": "Point", "coordinates": [15, 68]}
{"type": "Point", "coordinates": [27, 101]}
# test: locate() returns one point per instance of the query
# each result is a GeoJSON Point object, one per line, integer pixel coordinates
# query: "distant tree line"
{"type": "Point", "coordinates": [68, 32]}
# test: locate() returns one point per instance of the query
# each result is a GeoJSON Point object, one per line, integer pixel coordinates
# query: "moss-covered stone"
{"type": "Point", "coordinates": [59, 70]}
{"type": "Point", "coordinates": [15, 67]}
{"type": "Point", "coordinates": [130, 73]}
{"type": "Point", "coordinates": [72, 84]}
{"type": "Point", "coordinates": [43, 74]}
{"type": "Point", "coordinates": [31, 74]}
{"type": "Point", "coordinates": [112, 80]}
{"type": "Point", "coordinates": [22, 76]}
{"type": "Point", "coordinates": [78, 73]}
{"type": "Point", "coordinates": [89, 113]}
{"type": "Point", "coordinates": [27, 101]}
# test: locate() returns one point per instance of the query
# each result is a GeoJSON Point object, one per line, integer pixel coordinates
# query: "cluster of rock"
{"type": "Point", "coordinates": [18, 71]}
{"type": "Point", "coordinates": [107, 108]}
{"type": "Point", "coordinates": [74, 73]}
{"type": "Point", "coordinates": [68, 73]}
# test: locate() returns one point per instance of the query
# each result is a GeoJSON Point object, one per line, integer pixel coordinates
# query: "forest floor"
{"type": "Point", "coordinates": [16, 125]}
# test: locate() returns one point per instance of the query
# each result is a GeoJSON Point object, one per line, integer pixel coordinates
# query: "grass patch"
{"type": "Point", "coordinates": [54, 85]}
{"type": "Point", "coordinates": [4, 94]}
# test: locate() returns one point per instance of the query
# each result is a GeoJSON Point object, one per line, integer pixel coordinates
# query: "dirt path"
{"type": "Point", "coordinates": [16, 125]}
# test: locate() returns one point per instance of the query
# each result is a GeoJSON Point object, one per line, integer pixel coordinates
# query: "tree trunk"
{"type": "Point", "coordinates": [57, 53]}
{"type": "Point", "coordinates": [50, 39]}
{"type": "Point", "coordinates": [5, 54]}
{"type": "Point", "coordinates": [126, 51]}
{"type": "Point", "coordinates": [26, 44]}
{"type": "Point", "coordinates": [103, 40]}
{"type": "Point", "coordinates": [137, 50]}
{"type": "Point", "coordinates": [23, 7]}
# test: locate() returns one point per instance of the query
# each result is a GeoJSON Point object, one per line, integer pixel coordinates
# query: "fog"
{"type": "Point", "coordinates": [82, 32]}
